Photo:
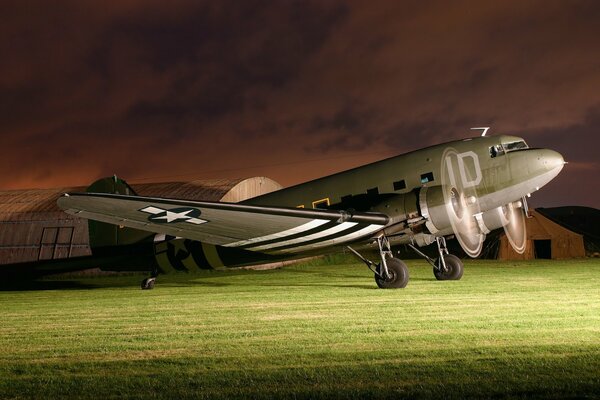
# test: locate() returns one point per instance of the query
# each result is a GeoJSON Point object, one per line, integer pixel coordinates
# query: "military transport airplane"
{"type": "Point", "coordinates": [462, 189]}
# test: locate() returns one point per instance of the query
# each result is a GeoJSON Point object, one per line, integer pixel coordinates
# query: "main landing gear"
{"type": "Point", "coordinates": [447, 267]}
{"type": "Point", "coordinates": [390, 273]}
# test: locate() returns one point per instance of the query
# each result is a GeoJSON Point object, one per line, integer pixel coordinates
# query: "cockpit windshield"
{"type": "Point", "coordinates": [512, 146]}
{"type": "Point", "coordinates": [501, 149]}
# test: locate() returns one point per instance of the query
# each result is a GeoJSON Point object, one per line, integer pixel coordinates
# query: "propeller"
{"type": "Point", "coordinates": [515, 230]}
{"type": "Point", "coordinates": [460, 179]}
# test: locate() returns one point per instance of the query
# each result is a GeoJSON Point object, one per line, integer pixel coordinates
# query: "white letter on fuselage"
{"type": "Point", "coordinates": [463, 173]}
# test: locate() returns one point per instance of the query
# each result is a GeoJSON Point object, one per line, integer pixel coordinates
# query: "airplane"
{"type": "Point", "coordinates": [461, 189]}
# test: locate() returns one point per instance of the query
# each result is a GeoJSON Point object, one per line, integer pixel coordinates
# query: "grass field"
{"type": "Point", "coordinates": [318, 330]}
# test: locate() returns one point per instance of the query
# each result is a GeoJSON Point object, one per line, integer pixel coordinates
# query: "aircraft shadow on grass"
{"type": "Point", "coordinates": [46, 285]}
{"type": "Point", "coordinates": [322, 279]}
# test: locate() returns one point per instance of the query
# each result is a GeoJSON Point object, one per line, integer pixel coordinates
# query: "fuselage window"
{"type": "Point", "coordinates": [520, 145]}
{"type": "Point", "coordinates": [373, 191]}
{"type": "Point", "coordinates": [323, 203]}
{"type": "Point", "coordinates": [496, 150]}
{"type": "Point", "coordinates": [428, 177]}
{"type": "Point", "coordinates": [399, 185]}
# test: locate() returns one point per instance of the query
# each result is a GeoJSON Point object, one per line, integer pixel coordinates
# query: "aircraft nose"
{"type": "Point", "coordinates": [535, 167]}
{"type": "Point", "coordinates": [551, 160]}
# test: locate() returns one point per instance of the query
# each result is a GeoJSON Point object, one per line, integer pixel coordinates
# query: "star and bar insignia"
{"type": "Point", "coordinates": [181, 214]}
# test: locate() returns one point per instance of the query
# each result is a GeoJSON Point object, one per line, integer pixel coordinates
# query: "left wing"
{"type": "Point", "coordinates": [273, 230]}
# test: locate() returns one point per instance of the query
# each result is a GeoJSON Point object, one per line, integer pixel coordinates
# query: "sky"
{"type": "Point", "coordinates": [293, 90]}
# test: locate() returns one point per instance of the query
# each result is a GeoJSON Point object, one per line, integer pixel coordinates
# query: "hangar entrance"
{"type": "Point", "coordinates": [543, 248]}
{"type": "Point", "coordinates": [56, 242]}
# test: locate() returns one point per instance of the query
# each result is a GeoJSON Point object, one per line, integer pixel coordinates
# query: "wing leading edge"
{"type": "Point", "coordinates": [272, 230]}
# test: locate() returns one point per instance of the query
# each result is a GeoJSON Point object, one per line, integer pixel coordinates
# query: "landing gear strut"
{"type": "Point", "coordinates": [148, 283]}
{"type": "Point", "coordinates": [391, 273]}
{"type": "Point", "coordinates": [447, 267]}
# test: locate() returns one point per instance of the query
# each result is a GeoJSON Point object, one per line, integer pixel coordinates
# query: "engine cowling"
{"type": "Point", "coordinates": [400, 207]}
{"type": "Point", "coordinates": [493, 219]}
{"type": "Point", "coordinates": [436, 211]}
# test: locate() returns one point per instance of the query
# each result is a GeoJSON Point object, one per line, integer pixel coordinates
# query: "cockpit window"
{"type": "Point", "coordinates": [512, 146]}
{"type": "Point", "coordinates": [496, 150]}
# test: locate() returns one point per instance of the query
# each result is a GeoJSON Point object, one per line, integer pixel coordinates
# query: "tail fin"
{"type": "Point", "coordinates": [103, 235]}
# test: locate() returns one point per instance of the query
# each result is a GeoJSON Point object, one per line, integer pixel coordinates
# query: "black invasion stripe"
{"type": "Point", "coordinates": [369, 218]}
{"type": "Point", "coordinates": [174, 259]}
{"type": "Point", "coordinates": [318, 229]}
{"type": "Point", "coordinates": [348, 231]}
{"type": "Point", "coordinates": [197, 253]}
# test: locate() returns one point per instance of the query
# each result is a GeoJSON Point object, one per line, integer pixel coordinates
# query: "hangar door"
{"type": "Point", "coordinates": [56, 242]}
{"type": "Point", "coordinates": [543, 248]}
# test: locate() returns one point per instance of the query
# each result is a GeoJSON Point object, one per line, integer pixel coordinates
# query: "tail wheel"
{"type": "Point", "coordinates": [398, 272]}
{"type": "Point", "coordinates": [148, 283]}
{"type": "Point", "coordinates": [454, 269]}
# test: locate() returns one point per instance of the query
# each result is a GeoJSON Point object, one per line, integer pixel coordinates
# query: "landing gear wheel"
{"type": "Point", "coordinates": [148, 283]}
{"type": "Point", "coordinates": [398, 275]}
{"type": "Point", "coordinates": [454, 267]}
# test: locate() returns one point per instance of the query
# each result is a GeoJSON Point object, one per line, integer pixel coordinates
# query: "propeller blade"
{"type": "Point", "coordinates": [515, 230]}
{"type": "Point", "coordinates": [462, 203]}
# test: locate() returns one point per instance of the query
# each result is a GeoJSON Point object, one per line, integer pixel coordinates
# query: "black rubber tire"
{"type": "Point", "coordinates": [148, 283]}
{"type": "Point", "coordinates": [455, 269]}
{"type": "Point", "coordinates": [399, 275]}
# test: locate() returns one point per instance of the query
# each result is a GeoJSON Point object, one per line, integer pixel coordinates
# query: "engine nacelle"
{"type": "Point", "coordinates": [492, 219]}
{"type": "Point", "coordinates": [399, 207]}
{"type": "Point", "coordinates": [432, 202]}
{"type": "Point", "coordinates": [424, 203]}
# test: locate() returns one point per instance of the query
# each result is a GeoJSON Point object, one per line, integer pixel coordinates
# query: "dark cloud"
{"type": "Point", "coordinates": [149, 89]}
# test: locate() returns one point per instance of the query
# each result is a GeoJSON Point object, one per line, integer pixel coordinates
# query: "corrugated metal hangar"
{"type": "Point", "coordinates": [545, 239]}
{"type": "Point", "coordinates": [33, 228]}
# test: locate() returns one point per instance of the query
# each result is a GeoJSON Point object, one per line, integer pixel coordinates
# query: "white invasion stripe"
{"type": "Point", "coordinates": [327, 232]}
{"type": "Point", "coordinates": [302, 228]}
{"type": "Point", "coordinates": [363, 232]}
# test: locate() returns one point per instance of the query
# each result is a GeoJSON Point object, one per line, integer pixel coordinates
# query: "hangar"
{"type": "Point", "coordinates": [33, 228]}
{"type": "Point", "coordinates": [545, 239]}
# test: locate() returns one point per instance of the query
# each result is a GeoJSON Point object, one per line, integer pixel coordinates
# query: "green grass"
{"type": "Point", "coordinates": [318, 330]}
